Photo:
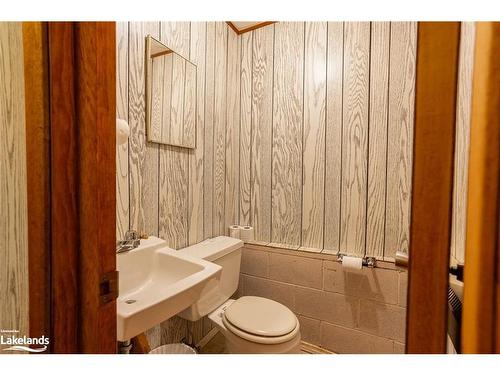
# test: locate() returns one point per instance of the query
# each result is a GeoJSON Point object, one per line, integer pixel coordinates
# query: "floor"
{"type": "Point", "coordinates": [217, 346]}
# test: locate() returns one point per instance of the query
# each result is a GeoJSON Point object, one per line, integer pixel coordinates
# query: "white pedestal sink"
{"type": "Point", "coordinates": [156, 283]}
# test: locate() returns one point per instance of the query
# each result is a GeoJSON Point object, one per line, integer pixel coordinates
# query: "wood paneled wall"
{"type": "Point", "coordinates": [182, 195]}
{"type": "Point", "coordinates": [326, 127]}
{"type": "Point", "coordinates": [13, 191]}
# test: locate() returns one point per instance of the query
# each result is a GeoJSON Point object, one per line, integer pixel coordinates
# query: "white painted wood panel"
{"type": "Point", "coordinates": [122, 188]}
{"type": "Point", "coordinates": [219, 129]}
{"type": "Point", "coordinates": [287, 133]}
{"type": "Point", "coordinates": [195, 191]}
{"type": "Point", "coordinates": [208, 157]}
{"type": "Point", "coordinates": [464, 104]}
{"type": "Point", "coordinates": [246, 75]}
{"type": "Point", "coordinates": [143, 156]}
{"type": "Point", "coordinates": [313, 185]}
{"type": "Point", "coordinates": [176, 36]}
{"type": "Point", "coordinates": [355, 137]}
{"type": "Point", "coordinates": [14, 295]}
{"type": "Point", "coordinates": [333, 152]}
{"type": "Point", "coordinates": [261, 133]}
{"type": "Point", "coordinates": [232, 209]}
{"type": "Point", "coordinates": [177, 100]}
{"type": "Point", "coordinates": [377, 140]}
{"type": "Point", "coordinates": [400, 136]}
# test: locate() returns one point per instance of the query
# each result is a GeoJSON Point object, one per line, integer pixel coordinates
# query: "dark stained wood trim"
{"type": "Point", "coordinates": [481, 313]}
{"type": "Point", "coordinates": [64, 190]}
{"type": "Point", "coordinates": [36, 78]}
{"type": "Point", "coordinates": [431, 203]}
{"type": "Point", "coordinates": [251, 28]}
{"type": "Point", "coordinates": [95, 56]}
{"type": "Point", "coordinates": [140, 344]}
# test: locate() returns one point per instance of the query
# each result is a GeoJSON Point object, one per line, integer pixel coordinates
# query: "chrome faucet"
{"type": "Point", "coordinates": [130, 242]}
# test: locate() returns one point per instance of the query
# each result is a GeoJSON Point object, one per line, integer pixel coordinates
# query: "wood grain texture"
{"type": "Point", "coordinates": [355, 137]}
{"type": "Point", "coordinates": [261, 132]}
{"type": "Point", "coordinates": [287, 133]}
{"type": "Point", "coordinates": [176, 36]}
{"type": "Point", "coordinates": [208, 157]}
{"type": "Point", "coordinates": [166, 101]}
{"type": "Point", "coordinates": [36, 83]}
{"type": "Point", "coordinates": [64, 223]}
{"type": "Point", "coordinates": [435, 106]}
{"type": "Point", "coordinates": [377, 139]}
{"type": "Point", "coordinates": [143, 156]}
{"type": "Point", "coordinates": [231, 206]}
{"type": "Point", "coordinates": [177, 101]}
{"type": "Point", "coordinates": [173, 195]}
{"type": "Point", "coordinates": [464, 107]}
{"type": "Point", "coordinates": [195, 191]}
{"type": "Point", "coordinates": [246, 76]}
{"type": "Point", "coordinates": [122, 185]}
{"type": "Point", "coordinates": [157, 82]}
{"type": "Point", "coordinates": [480, 332]}
{"type": "Point", "coordinates": [189, 112]}
{"type": "Point", "coordinates": [400, 136]}
{"type": "Point", "coordinates": [219, 127]}
{"type": "Point", "coordinates": [313, 163]}
{"type": "Point", "coordinates": [333, 156]}
{"type": "Point", "coordinates": [14, 293]}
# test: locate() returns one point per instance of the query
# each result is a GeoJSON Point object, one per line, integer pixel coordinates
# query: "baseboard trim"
{"type": "Point", "coordinates": [313, 349]}
{"type": "Point", "coordinates": [209, 336]}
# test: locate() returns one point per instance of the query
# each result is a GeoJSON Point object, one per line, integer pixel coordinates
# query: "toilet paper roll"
{"type": "Point", "coordinates": [234, 231]}
{"type": "Point", "coordinates": [122, 131]}
{"type": "Point", "coordinates": [246, 233]}
{"type": "Point", "coordinates": [352, 263]}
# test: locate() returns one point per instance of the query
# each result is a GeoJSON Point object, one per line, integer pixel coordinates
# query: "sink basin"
{"type": "Point", "coordinates": [156, 283]}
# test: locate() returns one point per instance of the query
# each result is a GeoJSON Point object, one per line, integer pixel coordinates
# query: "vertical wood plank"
{"type": "Point", "coordinates": [245, 126]}
{"type": "Point", "coordinates": [157, 83]}
{"type": "Point", "coordinates": [13, 200]}
{"type": "Point", "coordinates": [143, 156]}
{"type": "Point", "coordinates": [208, 157]}
{"type": "Point", "coordinates": [177, 100]}
{"type": "Point", "coordinates": [313, 186]}
{"type": "Point", "coordinates": [122, 187]}
{"type": "Point", "coordinates": [166, 103]}
{"type": "Point", "coordinates": [355, 137]}
{"type": "Point", "coordinates": [261, 132]}
{"type": "Point", "coordinates": [287, 133]}
{"type": "Point", "coordinates": [176, 36]}
{"type": "Point", "coordinates": [377, 139]}
{"type": "Point", "coordinates": [173, 161]}
{"type": "Point", "coordinates": [464, 107]}
{"type": "Point", "coordinates": [232, 161]}
{"type": "Point", "coordinates": [189, 111]}
{"type": "Point", "coordinates": [219, 127]}
{"type": "Point", "coordinates": [333, 157]}
{"type": "Point", "coordinates": [400, 136]}
{"type": "Point", "coordinates": [195, 191]}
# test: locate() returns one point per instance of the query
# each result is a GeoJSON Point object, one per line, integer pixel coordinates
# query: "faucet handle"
{"type": "Point", "coordinates": [131, 235]}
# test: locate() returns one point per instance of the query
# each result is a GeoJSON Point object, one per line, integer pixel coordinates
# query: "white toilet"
{"type": "Point", "coordinates": [249, 324]}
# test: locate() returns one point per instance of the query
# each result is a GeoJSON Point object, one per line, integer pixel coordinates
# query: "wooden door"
{"type": "Point", "coordinates": [72, 115]}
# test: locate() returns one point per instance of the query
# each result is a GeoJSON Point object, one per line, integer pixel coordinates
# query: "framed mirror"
{"type": "Point", "coordinates": [170, 96]}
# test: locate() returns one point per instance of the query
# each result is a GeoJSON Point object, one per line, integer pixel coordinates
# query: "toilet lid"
{"type": "Point", "coordinates": [261, 316]}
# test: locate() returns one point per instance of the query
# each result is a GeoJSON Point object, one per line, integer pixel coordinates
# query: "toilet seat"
{"type": "Point", "coordinates": [260, 320]}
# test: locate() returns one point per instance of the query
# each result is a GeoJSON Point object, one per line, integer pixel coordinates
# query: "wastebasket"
{"type": "Point", "coordinates": [173, 349]}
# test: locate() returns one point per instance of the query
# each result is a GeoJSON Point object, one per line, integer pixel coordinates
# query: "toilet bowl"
{"type": "Point", "coordinates": [250, 324]}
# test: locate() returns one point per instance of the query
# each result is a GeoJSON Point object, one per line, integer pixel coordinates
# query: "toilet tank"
{"type": "Point", "coordinates": [226, 252]}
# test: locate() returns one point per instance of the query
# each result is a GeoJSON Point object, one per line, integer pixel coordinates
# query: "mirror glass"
{"type": "Point", "coordinates": [171, 96]}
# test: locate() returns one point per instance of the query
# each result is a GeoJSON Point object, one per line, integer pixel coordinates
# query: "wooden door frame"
{"type": "Point", "coordinates": [431, 202]}
{"type": "Point", "coordinates": [72, 116]}
{"type": "Point", "coordinates": [481, 314]}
